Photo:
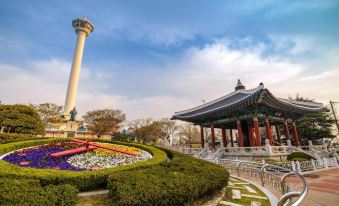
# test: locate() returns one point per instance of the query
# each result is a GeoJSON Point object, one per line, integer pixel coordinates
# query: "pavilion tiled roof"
{"type": "Point", "coordinates": [241, 98]}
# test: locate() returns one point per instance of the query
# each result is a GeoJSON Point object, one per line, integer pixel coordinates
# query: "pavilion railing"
{"type": "Point", "coordinates": [317, 152]}
{"type": "Point", "coordinates": [279, 178]}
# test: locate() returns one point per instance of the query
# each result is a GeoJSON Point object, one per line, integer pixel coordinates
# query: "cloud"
{"type": "Point", "coordinates": [198, 74]}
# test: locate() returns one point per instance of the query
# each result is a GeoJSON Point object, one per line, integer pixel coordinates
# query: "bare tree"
{"type": "Point", "coordinates": [189, 132]}
{"type": "Point", "coordinates": [167, 128]}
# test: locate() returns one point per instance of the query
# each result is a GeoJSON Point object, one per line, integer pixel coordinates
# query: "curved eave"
{"type": "Point", "coordinates": [261, 96]}
{"type": "Point", "coordinates": [281, 104]}
{"type": "Point", "coordinates": [249, 92]}
{"type": "Point", "coordinates": [241, 103]}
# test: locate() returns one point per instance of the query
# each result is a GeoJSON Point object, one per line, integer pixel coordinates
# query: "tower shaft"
{"type": "Point", "coordinates": [75, 72]}
{"type": "Point", "coordinates": [82, 28]}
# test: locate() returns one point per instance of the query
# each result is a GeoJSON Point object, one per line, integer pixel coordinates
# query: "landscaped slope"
{"type": "Point", "coordinates": [181, 180]}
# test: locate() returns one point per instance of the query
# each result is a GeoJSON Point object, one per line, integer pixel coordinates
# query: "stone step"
{"type": "Point", "coordinates": [250, 189]}
{"type": "Point", "coordinates": [241, 183]}
{"type": "Point", "coordinates": [254, 196]}
{"type": "Point", "coordinates": [235, 187]}
{"type": "Point", "coordinates": [236, 195]}
{"type": "Point", "coordinates": [255, 203]}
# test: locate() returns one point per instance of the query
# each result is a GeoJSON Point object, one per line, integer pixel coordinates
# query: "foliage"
{"type": "Point", "coordinates": [189, 133]}
{"type": "Point", "coordinates": [315, 127]}
{"type": "Point", "coordinates": [10, 137]}
{"type": "Point", "coordinates": [122, 137]}
{"type": "Point", "coordinates": [49, 113]}
{"type": "Point", "coordinates": [167, 128]}
{"type": "Point", "coordinates": [299, 159]}
{"type": "Point", "coordinates": [298, 155]}
{"type": "Point", "coordinates": [21, 119]}
{"type": "Point", "coordinates": [177, 182]}
{"type": "Point", "coordinates": [104, 120]}
{"type": "Point", "coordinates": [82, 180]}
{"type": "Point", "coordinates": [145, 130]}
{"type": "Point", "coordinates": [23, 192]}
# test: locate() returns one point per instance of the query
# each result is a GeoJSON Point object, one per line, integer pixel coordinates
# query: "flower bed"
{"type": "Point", "coordinates": [39, 157]}
{"type": "Point", "coordinates": [84, 180]}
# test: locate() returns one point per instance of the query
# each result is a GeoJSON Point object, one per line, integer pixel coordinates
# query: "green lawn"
{"type": "Point", "coordinates": [243, 190]}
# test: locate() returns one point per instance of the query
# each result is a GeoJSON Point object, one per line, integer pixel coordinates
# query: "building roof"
{"type": "Point", "coordinates": [241, 98]}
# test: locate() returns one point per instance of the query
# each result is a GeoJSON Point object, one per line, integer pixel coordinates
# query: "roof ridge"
{"type": "Point", "coordinates": [249, 91]}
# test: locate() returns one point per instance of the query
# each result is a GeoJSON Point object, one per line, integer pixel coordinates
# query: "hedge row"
{"type": "Point", "coordinates": [177, 182]}
{"type": "Point", "coordinates": [82, 180]}
{"type": "Point", "coordinates": [28, 192]}
{"type": "Point", "coordinates": [299, 156]}
{"type": "Point", "coordinates": [11, 137]}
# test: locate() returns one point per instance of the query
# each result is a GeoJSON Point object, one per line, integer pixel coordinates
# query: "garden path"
{"type": "Point", "coordinates": [323, 188]}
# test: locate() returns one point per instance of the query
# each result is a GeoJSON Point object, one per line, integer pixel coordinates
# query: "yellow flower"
{"type": "Point", "coordinates": [106, 152]}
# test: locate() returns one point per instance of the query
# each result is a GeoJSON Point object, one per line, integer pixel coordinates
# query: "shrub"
{"type": "Point", "coordinates": [11, 137]}
{"type": "Point", "coordinates": [21, 119]}
{"type": "Point", "coordinates": [82, 180]}
{"type": "Point", "coordinates": [30, 192]}
{"type": "Point", "coordinates": [302, 155]}
{"type": "Point", "coordinates": [177, 182]}
{"type": "Point", "coordinates": [299, 159]}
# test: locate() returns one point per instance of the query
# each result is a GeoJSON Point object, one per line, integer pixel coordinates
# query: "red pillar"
{"type": "Point", "coordinates": [257, 132]}
{"type": "Point", "coordinates": [202, 136]}
{"type": "Point", "coordinates": [277, 130]}
{"type": "Point", "coordinates": [223, 134]}
{"type": "Point", "coordinates": [268, 131]}
{"type": "Point", "coordinates": [295, 134]}
{"type": "Point", "coordinates": [231, 135]}
{"type": "Point", "coordinates": [287, 132]}
{"type": "Point", "coordinates": [250, 133]}
{"type": "Point", "coordinates": [212, 136]}
{"type": "Point", "coordinates": [240, 141]}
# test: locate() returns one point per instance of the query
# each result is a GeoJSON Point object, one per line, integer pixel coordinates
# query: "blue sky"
{"type": "Point", "coordinates": [152, 58]}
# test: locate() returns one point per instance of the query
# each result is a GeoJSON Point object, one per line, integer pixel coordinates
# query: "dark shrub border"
{"type": "Point", "coordinates": [30, 192]}
{"type": "Point", "coordinates": [82, 180]}
{"type": "Point", "coordinates": [11, 137]}
{"type": "Point", "coordinates": [177, 182]}
{"type": "Point", "coordinates": [297, 156]}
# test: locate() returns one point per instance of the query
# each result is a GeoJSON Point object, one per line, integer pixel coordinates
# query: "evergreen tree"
{"type": "Point", "coordinates": [20, 119]}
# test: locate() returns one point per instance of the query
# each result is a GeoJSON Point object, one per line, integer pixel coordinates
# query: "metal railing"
{"type": "Point", "coordinates": [292, 192]}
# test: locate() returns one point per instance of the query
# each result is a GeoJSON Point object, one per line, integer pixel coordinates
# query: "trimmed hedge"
{"type": "Point", "coordinates": [82, 180]}
{"type": "Point", "coordinates": [177, 182]}
{"type": "Point", "coordinates": [296, 156]}
{"type": "Point", "coordinates": [22, 192]}
{"type": "Point", "coordinates": [11, 137]}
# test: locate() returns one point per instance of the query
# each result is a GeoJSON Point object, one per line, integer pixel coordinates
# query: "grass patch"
{"type": "Point", "coordinates": [244, 200]}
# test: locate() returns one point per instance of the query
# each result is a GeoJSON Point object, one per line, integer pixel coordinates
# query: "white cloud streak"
{"type": "Point", "coordinates": [200, 73]}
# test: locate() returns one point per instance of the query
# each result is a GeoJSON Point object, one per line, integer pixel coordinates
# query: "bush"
{"type": "Point", "coordinates": [30, 192]}
{"type": "Point", "coordinates": [177, 182]}
{"type": "Point", "coordinates": [301, 155]}
{"type": "Point", "coordinates": [82, 180]}
{"type": "Point", "coordinates": [11, 137]}
{"type": "Point", "coordinates": [299, 159]}
{"type": "Point", "coordinates": [21, 119]}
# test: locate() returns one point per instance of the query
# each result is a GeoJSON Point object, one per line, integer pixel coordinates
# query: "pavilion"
{"type": "Point", "coordinates": [246, 111]}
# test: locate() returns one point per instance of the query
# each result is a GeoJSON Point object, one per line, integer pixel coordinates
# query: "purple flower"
{"type": "Point", "coordinates": [39, 157]}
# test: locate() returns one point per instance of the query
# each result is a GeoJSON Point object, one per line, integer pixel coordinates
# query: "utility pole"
{"type": "Point", "coordinates": [335, 117]}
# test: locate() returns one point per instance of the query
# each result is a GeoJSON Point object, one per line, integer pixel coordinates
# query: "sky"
{"type": "Point", "coordinates": [152, 58]}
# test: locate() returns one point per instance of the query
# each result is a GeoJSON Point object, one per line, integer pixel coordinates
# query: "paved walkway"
{"type": "Point", "coordinates": [323, 188]}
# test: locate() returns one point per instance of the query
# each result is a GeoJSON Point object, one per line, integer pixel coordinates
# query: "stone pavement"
{"type": "Point", "coordinates": [323, 188]}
